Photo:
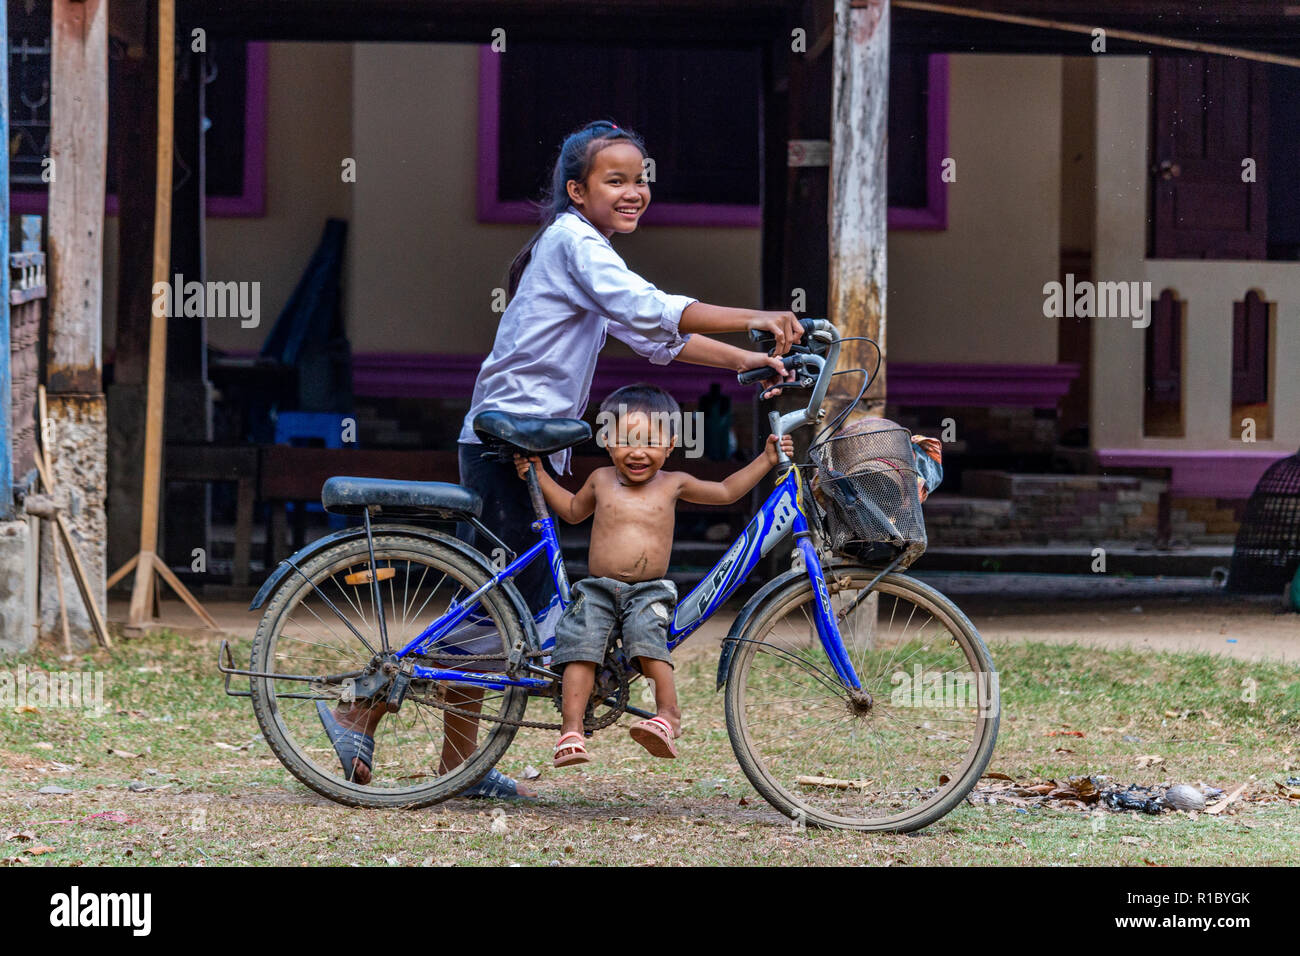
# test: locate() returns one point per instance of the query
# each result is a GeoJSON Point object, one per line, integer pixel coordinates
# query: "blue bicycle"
{"type": "Point", "coordinates": [856, 696]}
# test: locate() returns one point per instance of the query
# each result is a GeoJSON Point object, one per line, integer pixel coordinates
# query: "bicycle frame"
{"type": "Point", "coordinates": [781, 514]}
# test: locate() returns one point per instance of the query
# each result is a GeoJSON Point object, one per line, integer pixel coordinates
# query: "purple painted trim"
{"type": "Point", "coordinates": [934, 215]}
{"type": "Point", "coordinates": [451, 376]}
{"type": "Point", "coordinates": [252, 202]}
{"type": "Point", "coordinates": [1201, 474]}
{"type": "Point", "coordinates": [944, 383]}
{"type": "Point", "coordinates": [432, 375]}
{"type": "Point", "coordinates": [492, 210]}
{"type": "Point", "coordinates": [425, 375]}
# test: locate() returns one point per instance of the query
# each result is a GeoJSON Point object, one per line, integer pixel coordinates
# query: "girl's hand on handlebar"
{"type": "Point", "coordinates": [770, 452]}
{"type": "Point", "coordinates": [779, 371]}
{"type": "Point", "coordinates": [522, 463]}
{"type": "Point", "coordinates": [783, 326]}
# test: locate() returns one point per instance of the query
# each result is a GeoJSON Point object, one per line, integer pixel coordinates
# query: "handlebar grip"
{"type": "Point", "coordinates": [766, 339]}
{"type": "Point", "coordinates": [754, 375]}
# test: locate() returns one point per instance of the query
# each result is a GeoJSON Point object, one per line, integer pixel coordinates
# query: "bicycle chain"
{"type": "Point", "coordinates": [590, 725]}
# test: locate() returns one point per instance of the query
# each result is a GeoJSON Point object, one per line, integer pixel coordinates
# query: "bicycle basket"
{"type": "Point", "coordinates": [866, 487]}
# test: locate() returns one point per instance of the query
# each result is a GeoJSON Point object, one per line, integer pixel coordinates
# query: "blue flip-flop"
{"type": "Point", "coordinates": [496, 786]}
{"type": "Point", "coordinates": [350, 745]}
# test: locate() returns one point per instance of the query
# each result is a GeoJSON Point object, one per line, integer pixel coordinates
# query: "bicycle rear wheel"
{"type": "Point", "coordinates": [895, 758]}
{"type": "Point", "coordinates": [415, 748]}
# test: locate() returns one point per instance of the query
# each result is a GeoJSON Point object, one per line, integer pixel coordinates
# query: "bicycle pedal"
{"type": "Point", "coordinates": [363, 577]}
{"type": "Point", "coordinates": [397, 692]}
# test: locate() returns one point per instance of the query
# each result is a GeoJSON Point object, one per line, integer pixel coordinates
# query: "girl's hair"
{"type": "Point", "coordinates": [577, 155]}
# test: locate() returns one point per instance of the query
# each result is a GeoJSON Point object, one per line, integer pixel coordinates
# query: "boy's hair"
{"type": "Point", "coordinates": [576, 157]}
{"type": "Point", "coordinates": [650, 399]}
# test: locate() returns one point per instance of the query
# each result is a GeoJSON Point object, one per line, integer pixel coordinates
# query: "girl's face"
{"type": "Point", "coordinates": [616, 192]}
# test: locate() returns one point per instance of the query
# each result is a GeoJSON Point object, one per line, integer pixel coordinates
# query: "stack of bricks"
{"type": "Point", "coordinates": [1001, 430]}
{"type": "Point", "coordinates": [1000, 509]}
{"type": "Point", "coordinates": [1206, 520]}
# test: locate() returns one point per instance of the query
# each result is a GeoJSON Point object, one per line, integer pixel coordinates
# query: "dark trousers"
{"type": "Point", "coordinates": [507, 513]}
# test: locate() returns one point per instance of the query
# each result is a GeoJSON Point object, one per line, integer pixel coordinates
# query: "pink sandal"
{"type": "Point", "coordinates": [656, 735]}
{"type": "Point", "coordinates": [566, 755]}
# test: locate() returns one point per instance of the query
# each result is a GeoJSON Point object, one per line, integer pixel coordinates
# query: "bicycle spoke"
{"type": "Point", "coordinates": [876, 756]}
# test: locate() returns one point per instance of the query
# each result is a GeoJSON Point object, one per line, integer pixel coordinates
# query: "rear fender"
{"type": "Point", "coordinates": [427, 534]}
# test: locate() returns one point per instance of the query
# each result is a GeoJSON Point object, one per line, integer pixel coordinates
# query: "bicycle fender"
{"type": "Point", "coordinates": [285, 567]}
{"type": "Point", "coordinates": [754, 603]}
{"type": "Point", "coordinates": [283, 570]}
{"type": "Point", "coordinates": [746, 615]}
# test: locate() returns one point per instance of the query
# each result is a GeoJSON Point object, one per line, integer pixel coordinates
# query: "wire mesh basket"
{"type": "Point", "coordinates": [1266, 554]}
{"type": "Point", "coordinates": [866, 488]}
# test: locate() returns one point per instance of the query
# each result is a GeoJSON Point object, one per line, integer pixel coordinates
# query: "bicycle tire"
{"type": "Point", "coordinates": [292, 753]}
{"type": "Point", "coordinates": [781, 796]}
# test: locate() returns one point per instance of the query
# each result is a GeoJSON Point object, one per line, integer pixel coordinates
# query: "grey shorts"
{"type": "Point", "coordinates": [603, 607]}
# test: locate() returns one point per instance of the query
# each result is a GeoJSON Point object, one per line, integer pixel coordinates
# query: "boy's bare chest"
{"type": "Point", "coordinates": [645, 505]}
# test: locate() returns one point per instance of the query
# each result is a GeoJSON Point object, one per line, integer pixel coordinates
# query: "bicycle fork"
{"type": "Point", "coordinates": [827, 629]}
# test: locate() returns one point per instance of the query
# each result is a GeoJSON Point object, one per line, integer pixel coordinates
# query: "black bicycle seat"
{"type": "Point", "coordinates": [351, 496]}
{"type": "Point", "coordinates": [531, 433]}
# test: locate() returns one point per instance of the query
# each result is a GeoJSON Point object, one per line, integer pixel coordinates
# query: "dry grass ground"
{"type": "Point", "coordinates": [175, 773]}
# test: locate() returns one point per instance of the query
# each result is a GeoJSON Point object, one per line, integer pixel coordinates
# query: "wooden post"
{"type": "Point", "coordinates": [142, 596]}
{"type": "Point", "coordinates": [79, 150]}
{"type": "Point", "coordinates": [133, 25]}
{"type": "Point", "coordinates": [859, 204]}
{"type": "Point", "coordinates": [6, 404]}
{"type": "Point", "coordinates": [146, 564]}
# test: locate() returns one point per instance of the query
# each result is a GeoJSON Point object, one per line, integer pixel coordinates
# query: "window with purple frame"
{"type": "Point", "coordinates": [699, 112]}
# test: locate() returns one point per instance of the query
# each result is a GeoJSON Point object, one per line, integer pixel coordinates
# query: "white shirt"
{"type": "Point", "coordinates": [574, 290]}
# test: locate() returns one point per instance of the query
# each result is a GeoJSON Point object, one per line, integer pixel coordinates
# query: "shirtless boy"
{"type": "Point", "coordinates": [634, 503]}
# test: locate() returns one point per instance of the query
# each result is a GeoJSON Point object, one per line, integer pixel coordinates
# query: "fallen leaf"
{"type": "Point", "coordinates": [1225, 802]}
{"type": "Point", "coordinates": [1149, 760]}
{"type": "Point", "coordinates": [111, 816]}
{"type": "Point", "coordinates": [1132, 840]}
{"type": "Point", "coordinates": [39, 850]}
{"type": "Point", "coordinates": [124, 754]}
{"type": "Point", "coordinates": [19, 837]}
{"type": "Point", "coordinates": [51, 789]}
{"type": "Point", "coordinates": [994, 775]}
{"type": "Point", "coordinates": [43, 745]}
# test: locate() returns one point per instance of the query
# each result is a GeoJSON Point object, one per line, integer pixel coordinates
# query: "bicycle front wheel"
{"type": "Point", "coordinates": [896, 756]}
{"type": "Point", "coordinates": [325, 622]}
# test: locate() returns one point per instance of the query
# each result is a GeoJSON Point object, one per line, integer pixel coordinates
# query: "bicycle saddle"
{"type": "Point", "coordinates": [351, 496]}
{"type": "Point", "coordinates": [531, 433]}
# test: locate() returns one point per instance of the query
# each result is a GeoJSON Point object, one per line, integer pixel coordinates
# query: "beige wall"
{"type": "Point", "coordinates": [1207, 287]}
{"type": "Point", "coordinates": [974, 292]}
{"type": "Point", "coordinates": [421, 270]}
{"type": "Point", "coordinates": [310, 95]}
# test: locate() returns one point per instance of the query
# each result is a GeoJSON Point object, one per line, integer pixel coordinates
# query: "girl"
{"type": "Point", "coordinates": [568, 289]}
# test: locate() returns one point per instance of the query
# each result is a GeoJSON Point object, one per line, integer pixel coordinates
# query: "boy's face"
{"type": "Point", "coordinates": [639, 447]}
{"type": "Point", "coordinates": [616, 193]}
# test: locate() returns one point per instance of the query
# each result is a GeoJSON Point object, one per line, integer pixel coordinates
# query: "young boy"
{"type": "Point", "coordinates": [631, 540]}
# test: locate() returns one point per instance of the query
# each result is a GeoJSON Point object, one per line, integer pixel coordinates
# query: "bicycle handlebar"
{"type": "Point", "coordinates": [819, 351]}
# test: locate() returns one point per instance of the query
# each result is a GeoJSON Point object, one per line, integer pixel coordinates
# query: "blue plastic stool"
{"type": "Point", "coordinates": [299, 428]}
